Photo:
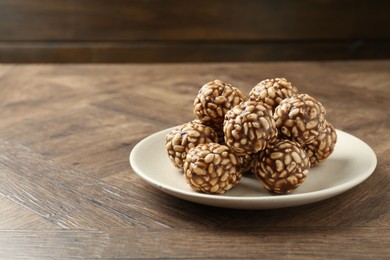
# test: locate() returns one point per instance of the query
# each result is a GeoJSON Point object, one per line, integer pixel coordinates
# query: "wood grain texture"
{"type": "Point", "coordinates": [276, 243]}
{"type": "Point", "coordinates": [200, 20]}
{"type": "Point", "coordinates": [192, 51]}
{"type": "Point", "coordinates": [67, 189]}
{"type": "Point", "coordinates": [174, 30]}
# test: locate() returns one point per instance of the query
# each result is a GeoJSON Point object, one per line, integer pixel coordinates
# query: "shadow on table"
{"type": "Point", "coordinates": [330, 212]}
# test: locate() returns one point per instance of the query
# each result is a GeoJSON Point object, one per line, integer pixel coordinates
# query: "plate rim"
{"type": "Point", "coordinates": [323, 193]}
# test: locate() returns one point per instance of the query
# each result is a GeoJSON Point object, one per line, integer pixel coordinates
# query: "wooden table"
{"type": "Point", "coordinates": [67, 189]}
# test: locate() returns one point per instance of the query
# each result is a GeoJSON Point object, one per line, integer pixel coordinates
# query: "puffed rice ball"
{"type": "Point", "coordinates": [272, 91]}
{"type": "Point", "coordinates": [282, 167]}
{"type": "Point", "coordinates": [247, 162]}
{"type": "Point", "coordinates": [300, 118]}
{"type": "Point", "coordinates": [213, 101]}
{"type": "Point", "coordinates": [249, 127]}
{"type": "Point", "coordinates": [322, 147]}
{"type": "Point", "coordinates": [211, 168]}
{"type": "Point", "coordinates": [186, 136]}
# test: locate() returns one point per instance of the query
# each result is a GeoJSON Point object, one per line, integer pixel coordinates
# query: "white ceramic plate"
{"type": "Point", "coordinates": [351, 163]}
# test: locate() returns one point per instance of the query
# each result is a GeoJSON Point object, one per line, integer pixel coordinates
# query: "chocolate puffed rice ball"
{"type": "Point", "coordinates": [214, 99]}
{"type": "Point", "coordinates": [247, 162]}
{"type": "Point", "coordinates": [249, 127]}
{"type": "Point", "coordinates": [211, 168]}
{"type": "Point", "coordinates": [272, 91]}
{"type": "Point", "coordinates": [282, 167]}
{"type": "Point", "coordinates": [186, 136]}
{"type": "Point", "coordinates": [323, 146]}
{"type": "Point", "coordinates": [300, 118]}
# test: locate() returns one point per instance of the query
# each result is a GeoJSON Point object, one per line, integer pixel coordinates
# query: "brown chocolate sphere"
{"type": "Point", "coordinates": [282, 167]}
{"type": "Point", "coordinates": [272, 91]}
{"type": "Point", "coordinates": [323, 146]}
{"type": "Point", "coordinates": [214, 100]}
{"type": "Point", "coordinates": [300, 118]}
{"type": "Point", "coordinates": [186, 136]}
{"type": "Point", "coordinates": [247, 162]}
{"type": "Point", "coordinates": [211, 168]}
{"type": "Point", "coordinates": [249, 127]}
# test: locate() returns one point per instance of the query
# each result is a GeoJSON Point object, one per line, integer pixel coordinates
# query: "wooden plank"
{"type": "Point", "coordinates": [67, 197]}
{"type": "Point", "coordinates": [16, 217]}
{"type": "Point", "coordinates": [281, 243]}
{"type": "Point", "coordinates": [200, 51]}
{"type": "Point", "coordinates": [42, 20]}
{"type": "Point", "coordinates": [201, 31]}
{"type": "Point", "coordinates": [67, 189]}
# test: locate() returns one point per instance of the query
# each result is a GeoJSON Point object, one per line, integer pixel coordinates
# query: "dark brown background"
{"type": "Point", "coordinates": [192, 31]}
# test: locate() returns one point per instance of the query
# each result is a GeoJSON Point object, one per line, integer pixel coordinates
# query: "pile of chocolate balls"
{"type": "Point", "coordinates": [277, 135]}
